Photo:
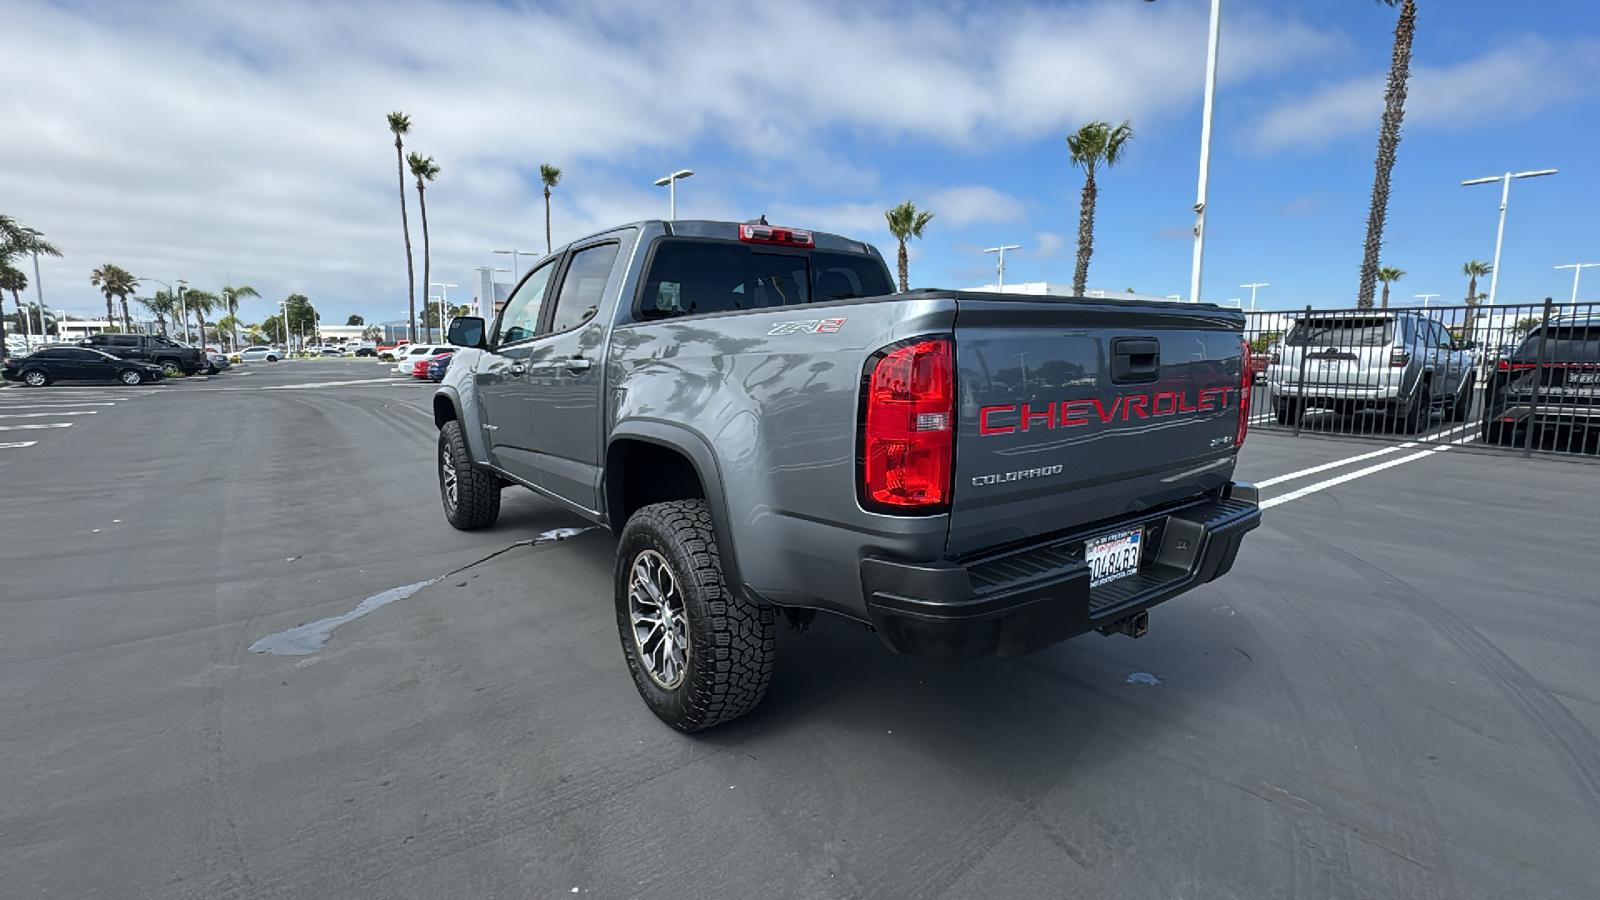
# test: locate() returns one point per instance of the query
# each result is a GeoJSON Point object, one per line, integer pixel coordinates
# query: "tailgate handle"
{"type": "Point", "coordinates": [1135, 360]}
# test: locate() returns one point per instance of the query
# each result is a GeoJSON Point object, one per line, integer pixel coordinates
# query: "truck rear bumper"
{"type": "Point", "coordinates": [1027, 599]}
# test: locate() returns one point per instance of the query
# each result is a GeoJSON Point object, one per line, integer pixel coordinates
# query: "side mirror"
{"type": "Point", "coordinates": [467, 331]}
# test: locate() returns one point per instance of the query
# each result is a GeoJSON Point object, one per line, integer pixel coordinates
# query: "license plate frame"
{"type": "Point", "coordinates": [1114, 556]}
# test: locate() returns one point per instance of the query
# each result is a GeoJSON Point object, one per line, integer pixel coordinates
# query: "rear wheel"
{"type": "Point", "coordinates": [171, 368]}
{"type": "Point", "coordinates": [471, 495]}
{"type": "Point", "coordinates": [130, 376]}
{"type": "Point", "coordinates": [35, 378]}
{"type": "Point", "coordinates": [1286, 411]}
{"type": "Point", "coordinates": [1420, 413]}
{"type": "Point", "coordinates": [1457, 411]}
{"type": "Point", "coordinates": [699, 654]}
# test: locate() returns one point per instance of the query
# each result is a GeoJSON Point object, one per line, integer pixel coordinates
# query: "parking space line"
{"type": "Point", "coordinates": [4, 405]}
{"type": "Point", "coordinates": [12, 445]}
{"type": "Point", "coordinates": [26, 427]}
{"type": "Point", "coordinates": [36, 415]}
{"type": "Point", "coordinates": [1279, 479]}
{"type": "Point", "coordinates": [1350, 476]}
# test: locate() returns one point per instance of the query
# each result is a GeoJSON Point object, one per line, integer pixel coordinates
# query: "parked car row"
{"type": "Point", "coordinates": [66, 363]}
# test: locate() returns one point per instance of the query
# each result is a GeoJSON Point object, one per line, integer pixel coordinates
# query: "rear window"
{"type": "Point", "coordinates": [698, 277]}
{"type": "Point", "coordinates": [1341, 332]}
{"type": "Point", "coordinates": [1565, 344]}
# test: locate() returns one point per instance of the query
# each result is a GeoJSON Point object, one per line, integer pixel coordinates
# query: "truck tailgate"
{"type": "Point", "coordinates": [1075, 411]}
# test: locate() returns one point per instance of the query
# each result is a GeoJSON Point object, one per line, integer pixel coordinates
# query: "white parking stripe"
{"type": "Point", "coordinates": [1279, 479]}
{"type": "Point", "coordinates": [15, 444]}
{"type": "Point", "coordinates": [26, 427]}
{"type": "Point", "coordinates": [69, 412]}
{"type": "Point", "coordinates": [4, 405]}
{"type": "Point", "coordinates": [1350, 476]}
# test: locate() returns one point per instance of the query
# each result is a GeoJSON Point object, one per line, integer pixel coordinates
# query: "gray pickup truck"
{"type": "Point", "coordinates": [770, 431]}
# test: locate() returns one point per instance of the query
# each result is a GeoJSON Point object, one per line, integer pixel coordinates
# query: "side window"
{"type": "Point", "coordinates": [583, 286]}
{"type": "Point", "coordinates": [1437, 336]}
{"type": "Point", "coordinates": [124, 340]}
{"type": "Point", "coordinates": [519, 320]}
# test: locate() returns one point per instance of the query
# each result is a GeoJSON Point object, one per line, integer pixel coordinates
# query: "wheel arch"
{"type": "Point", "coordinates": [447, 407]}
{"type": "Point", "coordinates": [670, 455]}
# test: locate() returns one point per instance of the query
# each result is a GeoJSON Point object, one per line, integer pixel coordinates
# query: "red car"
{"type": "Point", "coordinates": [420, 370]}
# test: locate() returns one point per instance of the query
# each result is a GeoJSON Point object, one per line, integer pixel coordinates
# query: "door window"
{"type": "Point", "coordinates": [583, 286]}
{"type": "Point", "coordinates": [519, 320]}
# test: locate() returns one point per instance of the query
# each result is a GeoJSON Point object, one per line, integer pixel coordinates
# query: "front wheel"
{"type": "Point", "coordinates": [471, 495]}
{"type": "Point", "coordinates": [131, 377]}
{"type": "Point", "coordinates": [35, 378]}
{"type": "Point", "coordinates": [699, 654]}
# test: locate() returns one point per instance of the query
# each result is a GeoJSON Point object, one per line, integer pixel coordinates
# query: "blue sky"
{"type": "Point", "coordinates": [218, 141]}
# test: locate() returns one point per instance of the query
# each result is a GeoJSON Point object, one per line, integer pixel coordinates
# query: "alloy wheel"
{"type": "Point", "coordinates": [659, 619]}
{"type": "Point", "coordinates": [447, 468]}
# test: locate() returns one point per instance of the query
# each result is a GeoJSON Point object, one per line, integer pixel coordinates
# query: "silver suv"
{"type": "Point", "coordinates": [1403, 363]}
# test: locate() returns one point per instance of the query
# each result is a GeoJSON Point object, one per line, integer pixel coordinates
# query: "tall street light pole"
{"type": "Point", "coordinates": [444, 305]}
{"type": "Point", "coordinates": [1205, 151]}
{"type": "Point", "coordinates": [38, 285]}
{"type": "Point", "coordinates": [516, 271]}
{"type": "Point", "coordinates": [1425, 298]}
{"type": "Point", "coordinates": [1252, 287]}
{"type": "Point", "coordinates": [1000, 267]}
{"type": "Point", "coordinates": [1578, 269]}
{"type": "Point", "coordinates": [1505, 194]}
{"type": "Point", "coordinates": [670, 182]}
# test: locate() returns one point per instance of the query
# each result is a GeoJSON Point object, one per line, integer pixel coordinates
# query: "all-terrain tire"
{"type": "Point", "coordinates": [172, 367]}
{"type": "Point", "coordinates": [471, 495]}
{"type": "Point", "coordinates": [731, 641]}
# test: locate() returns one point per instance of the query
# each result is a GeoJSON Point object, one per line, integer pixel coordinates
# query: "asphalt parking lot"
{"type": "Point", "coordinates": [1394, 694]}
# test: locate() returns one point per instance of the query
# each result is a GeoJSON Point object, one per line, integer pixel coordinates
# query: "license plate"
{"type": "Point", "coordinates": [1113, 556]}
{"type": "Point", "coordinates": [1583, 377]}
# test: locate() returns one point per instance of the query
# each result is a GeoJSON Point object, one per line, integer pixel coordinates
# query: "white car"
{"type": "Point", "coordinates": [257, 354]}
{"type": "Point", "coordinates": [407, 361]}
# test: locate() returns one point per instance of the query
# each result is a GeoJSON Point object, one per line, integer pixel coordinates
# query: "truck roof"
{"type": "Point", "coordinates": [729, 231]}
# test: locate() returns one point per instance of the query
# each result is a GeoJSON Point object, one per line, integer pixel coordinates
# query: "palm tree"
{"type": "Point", "coordinates": [1474, 269]}
{"type": "Point", "coordinates": [1394, 109]}
{"type": "Point", "coordinates": [14, 280]}
{"type": "Point", "coordinates": [906, 222]}
{"type": "Point", "coordinates": [1387, 275]}
{"type": "Point", "coordinates": [161, 306]}
{"type": "Point", "coordinates": [400, 126]}
{"type": "Point", "coordinates": [232, 295]}
{"type": "Point", "coordinates": [423, 167]}
{"type": "Point", "coordinates": [1094, 145]}
{"type": "Point", "coordinates": [199, 303]}
{"type": "Point", "coordinates": [114, 281]}
{"type": "Point", "coordinates": [15, 240]}
{"type": "Point", "coordinates": [551, 176]}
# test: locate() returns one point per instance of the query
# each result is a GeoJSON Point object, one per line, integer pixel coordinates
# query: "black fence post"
{"type": "Point", "coordinates": [1536, 433]}
{"type": "Point", "coordinates": [1298, 411]}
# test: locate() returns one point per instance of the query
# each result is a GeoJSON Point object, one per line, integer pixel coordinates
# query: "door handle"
{"type": "Point", "coordinates": [578, 363]}
{"type": "Point", "coordinates": [519, 370]}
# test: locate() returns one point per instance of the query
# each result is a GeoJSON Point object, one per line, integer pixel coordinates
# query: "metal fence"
{"type": "Point", "coordinates": [1525, 378]}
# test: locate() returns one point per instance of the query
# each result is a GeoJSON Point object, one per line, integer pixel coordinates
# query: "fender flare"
{"type": "Point", "coordinates": [695, 448]}
{"type": "Point", "coordinates": [476, 449]}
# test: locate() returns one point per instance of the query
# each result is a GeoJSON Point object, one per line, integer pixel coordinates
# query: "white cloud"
{"type": "Point", "coordinates": [1047, 245]}
{"type": "Point", "coordinates": [974, 205]}
{"type": "Point", "coordinates": [1510, 82]}
{"type": "Point", "coordinates": [208, 140]}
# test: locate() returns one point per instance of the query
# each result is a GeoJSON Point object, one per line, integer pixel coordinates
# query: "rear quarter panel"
{"type": "Point", "coordinates": [780, 412]}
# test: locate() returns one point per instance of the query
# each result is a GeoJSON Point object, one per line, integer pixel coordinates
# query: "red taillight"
{"type": "Point", "coordinates": [767, 234]}
{"type": "Point", "coordinates": [908, 429]}
{"type": "Point", "coordinates": [1244, 397]}
{"type": "Point", "coordinates": [1399, 358]}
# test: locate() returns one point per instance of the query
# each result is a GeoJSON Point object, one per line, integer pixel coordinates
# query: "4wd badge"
{"type": "Point", "coordinates": [809, 326]}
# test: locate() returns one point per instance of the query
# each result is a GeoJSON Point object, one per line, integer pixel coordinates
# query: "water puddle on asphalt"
{"type": "Point", "coordinates": [304, 640]}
